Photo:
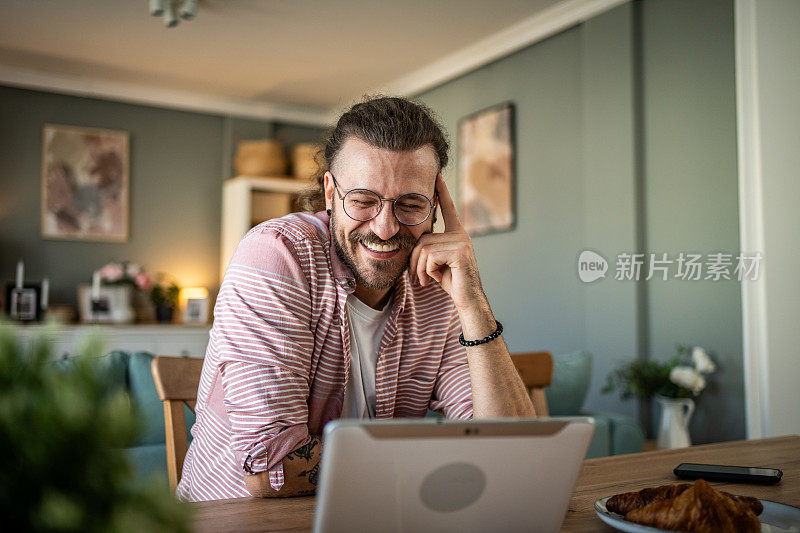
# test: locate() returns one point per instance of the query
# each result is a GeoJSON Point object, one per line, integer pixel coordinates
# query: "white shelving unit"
{"type": "Point", "coordinates": [250, 200]}
{"type": "Point", "coordinates": [158, 339]}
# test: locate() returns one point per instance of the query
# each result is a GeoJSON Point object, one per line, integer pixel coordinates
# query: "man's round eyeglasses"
{"type": "Point", "coordinates": [411, 209]}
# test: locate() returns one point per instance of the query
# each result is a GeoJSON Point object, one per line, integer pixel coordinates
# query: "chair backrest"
{"type": "Point", "coordinates": [176, 380]}
{"type": "Point", "coordinates": [536, 371]}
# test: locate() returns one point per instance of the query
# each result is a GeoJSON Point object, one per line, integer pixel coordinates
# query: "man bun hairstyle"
{"type": "Point", "coordinates": [392, 123]}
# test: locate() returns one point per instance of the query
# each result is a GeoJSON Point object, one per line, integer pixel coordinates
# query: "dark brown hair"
{"type": "Point", "coordinates": [385, 122]}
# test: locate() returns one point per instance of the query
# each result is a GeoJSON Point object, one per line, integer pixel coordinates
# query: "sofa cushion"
{"type": "Point", "coordinates": [626, 435]}
{"type": "Point", "coordinates": [145, 402]}
{"type": "Point", "coordinates": [149, 462]}
{"type": "Point", "coordinates": [113, 367]}
{"type": "Point", "coordinates": [572, 375]}
{"type": "Point", "coordinates": [600, 445]}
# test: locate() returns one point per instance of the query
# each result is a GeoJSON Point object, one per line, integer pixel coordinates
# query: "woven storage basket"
{"type": "Point", "coordinates": [260, 158]}
{"type": "Point", "coordinates": [304, 166]}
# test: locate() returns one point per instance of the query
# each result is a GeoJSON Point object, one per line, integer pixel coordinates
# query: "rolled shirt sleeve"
{"type": "Point", "coordinates": [263, 328]}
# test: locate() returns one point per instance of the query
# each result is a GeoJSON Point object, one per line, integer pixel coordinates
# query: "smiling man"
{"type": "Point", "coordinates": [358, 311]}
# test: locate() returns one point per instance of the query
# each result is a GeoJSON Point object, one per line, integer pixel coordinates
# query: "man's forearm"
{"type": "Point", "coordinates": [300, 474]}
{"type": "Point", "coordinates": [497, 389]}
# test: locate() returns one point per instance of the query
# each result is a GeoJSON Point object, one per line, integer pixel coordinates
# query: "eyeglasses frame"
{"type": "Point", "coordinates": [382, 199]}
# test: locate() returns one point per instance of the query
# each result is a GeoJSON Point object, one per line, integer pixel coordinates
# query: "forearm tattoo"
{"type": "Point", "coordinates": [303, 452]}
{"type": "Point", "coordinates": [306, 452]}
{"type": "Point", "coordinates": [313, 474]}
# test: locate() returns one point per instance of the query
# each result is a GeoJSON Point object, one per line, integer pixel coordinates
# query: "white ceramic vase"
{"type": "Point", "coordinates": [673, 428]}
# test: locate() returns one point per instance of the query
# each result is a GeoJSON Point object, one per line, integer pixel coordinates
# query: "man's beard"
{"type": "Point", "coordinates": [375, 274]}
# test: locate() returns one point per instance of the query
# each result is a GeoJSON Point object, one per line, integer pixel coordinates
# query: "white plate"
{"type": "Point", "coordinates": [776, 518]}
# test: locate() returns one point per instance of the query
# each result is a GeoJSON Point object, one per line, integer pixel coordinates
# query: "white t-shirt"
{"type": "Point", "coordinates": [366, 332]}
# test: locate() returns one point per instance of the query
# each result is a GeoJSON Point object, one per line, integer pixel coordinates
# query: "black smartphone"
{"type": "Point", "coordinates": [741, 474]}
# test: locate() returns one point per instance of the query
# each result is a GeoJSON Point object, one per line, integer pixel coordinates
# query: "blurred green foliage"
{"type": "Point", "coordinates": [645, 379]}
{"type": "Point", "coordinates": [165, 294]}
{"type": "Point", "coordinates": [61, 438]}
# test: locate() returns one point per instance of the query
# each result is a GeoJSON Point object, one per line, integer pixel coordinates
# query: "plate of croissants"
{"type": "Point", "coordinates": [694, 507]}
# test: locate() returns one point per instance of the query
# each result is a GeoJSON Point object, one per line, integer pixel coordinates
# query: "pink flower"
{"type": "Point", "coordinates": [143, 281]}
{"type": "Point", "coordinates": [112, 272]}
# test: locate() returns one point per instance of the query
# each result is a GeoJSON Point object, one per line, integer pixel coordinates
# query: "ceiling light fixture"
{"type": "Point", "coordinates": [169, 8]}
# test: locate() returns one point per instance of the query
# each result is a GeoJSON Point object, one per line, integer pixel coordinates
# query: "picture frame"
{"type": "Point", "coordinates": [195, 311]}
{"type": "Point", "coordinates": [486, 193]}
{"type": "Point", "coordinates": [23, 304]}
{"type": "Point", "coordinates": [85, 184]}
{"type": "Point", "coordinates": [112, 305]}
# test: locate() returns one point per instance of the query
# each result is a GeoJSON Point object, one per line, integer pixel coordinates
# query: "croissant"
{"type": "Point", "coordinates": [628, 501]}
{"type": "Point", "coordinates": [753, 503]}
{"type": "Point", "coordinates": [699, 508]}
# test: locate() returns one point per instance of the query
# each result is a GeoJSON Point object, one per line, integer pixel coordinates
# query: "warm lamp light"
{"type": "Point", "coordinates": [194, 301]}
{"type": "Point", "coordinates": [193, 293]}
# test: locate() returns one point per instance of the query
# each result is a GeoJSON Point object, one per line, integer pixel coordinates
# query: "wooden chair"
{"type": "Point", "coordinates": [176, 380]}
{"type": "Point", "coordinates": [536, 371]}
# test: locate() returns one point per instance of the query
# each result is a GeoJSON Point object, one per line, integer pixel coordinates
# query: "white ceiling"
{"type": "Point", "coordinates": [311, 55]}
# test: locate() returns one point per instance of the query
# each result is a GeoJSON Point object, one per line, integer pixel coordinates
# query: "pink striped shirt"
{"type": "Point", "coordinates": [279, 355]}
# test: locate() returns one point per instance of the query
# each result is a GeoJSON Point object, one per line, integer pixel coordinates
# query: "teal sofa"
{"type": "Point", "coordinates": [614, 434]}
{"type": "Point", "coordinates": [131, 372]}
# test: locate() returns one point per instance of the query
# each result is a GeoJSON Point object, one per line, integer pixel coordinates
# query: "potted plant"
{"type": "Point", "coordinates": [673, 384]}
{"type": "Point", "coordinates": [62, 433]}
{"type": "Point", "coordinates": [164, 296]}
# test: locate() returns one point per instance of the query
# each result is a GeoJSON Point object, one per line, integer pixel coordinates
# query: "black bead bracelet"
{"type": "Point", "coordinates": [484, 340]}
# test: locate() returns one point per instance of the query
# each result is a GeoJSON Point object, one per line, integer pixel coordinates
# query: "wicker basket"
{"type": "Point", "coordinates": [260, 158]}
{"type": "Point", "coordinates": [304, 166]}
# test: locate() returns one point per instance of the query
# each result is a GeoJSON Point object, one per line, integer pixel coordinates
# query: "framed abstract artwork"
{"type": "Point", "coordinates": [85, 184]}
{"type": "Point", "coordinates": [486, 176]}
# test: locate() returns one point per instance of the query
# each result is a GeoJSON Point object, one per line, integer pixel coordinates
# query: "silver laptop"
{"type": "Point", "coordinates": [428, 475]}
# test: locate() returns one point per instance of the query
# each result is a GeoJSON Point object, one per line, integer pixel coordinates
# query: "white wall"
{"type": "Point", "coordinates": [768, 85]}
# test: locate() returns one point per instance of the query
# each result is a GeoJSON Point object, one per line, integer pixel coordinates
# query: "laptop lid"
{"type": "Point", "coordinates": [446, 475]}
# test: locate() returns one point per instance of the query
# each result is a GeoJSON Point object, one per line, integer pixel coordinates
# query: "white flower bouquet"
{"type": "Point", "coordinates": [693, 377]}
{"type": "Point", "coordinates": [683, 376]}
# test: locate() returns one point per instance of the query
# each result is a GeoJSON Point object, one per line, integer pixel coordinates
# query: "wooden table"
{"type": "Point", "coordinates": [599, 478]}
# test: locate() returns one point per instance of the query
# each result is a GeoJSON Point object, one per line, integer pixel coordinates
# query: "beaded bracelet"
{"type": "Point", "coordinates": [484, 340]}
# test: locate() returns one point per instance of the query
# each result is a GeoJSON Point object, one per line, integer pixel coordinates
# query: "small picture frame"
{"type": "Point", "coordinates": [195, 311]}
{"type": "Point", "coordinates": [112, 305]}
{"type": "Point", "coordinates": [23, 304]}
